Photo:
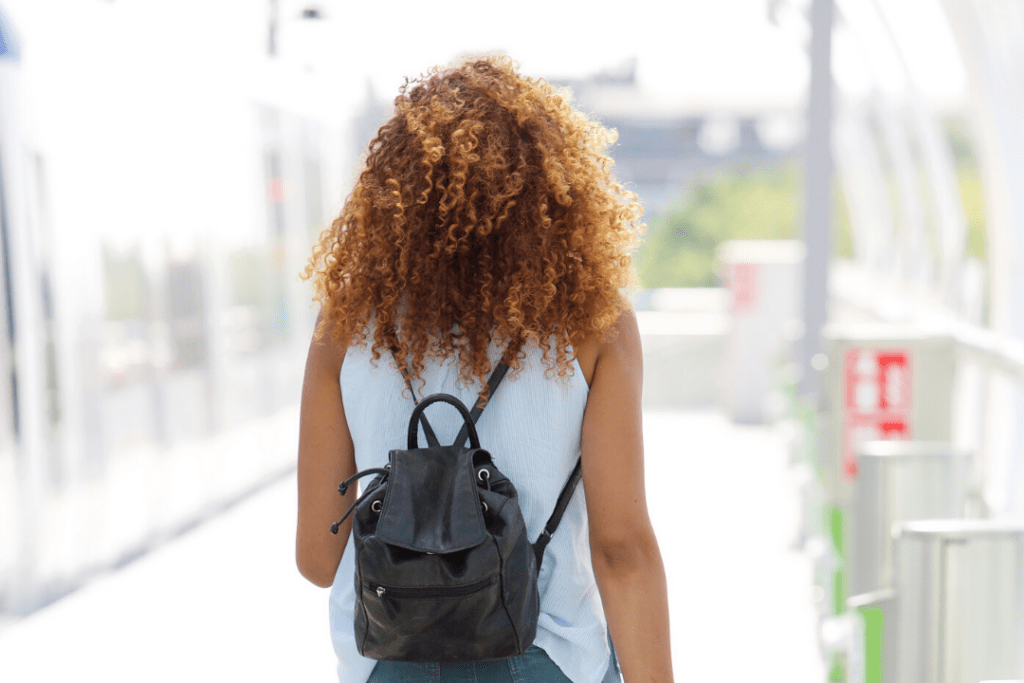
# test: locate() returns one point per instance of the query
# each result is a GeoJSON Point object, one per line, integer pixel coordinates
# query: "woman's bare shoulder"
{"type": "Point", "coordinates": [325, 352]}
{"type": "Point", "coordinates": [622, 342]}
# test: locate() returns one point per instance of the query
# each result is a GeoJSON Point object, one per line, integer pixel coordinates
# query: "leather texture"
{"type": "Point", "coordinates": [432, 504]}
{"type": "Point", "coordinates": [445, 571]}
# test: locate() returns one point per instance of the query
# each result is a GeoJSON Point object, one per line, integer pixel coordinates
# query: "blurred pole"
{"type": "Point", "coordinates": [24, 392]}
{"type": "Point", "coordinates": [272, 23]}
{"type": "Point", "coordinates": [817, 197]}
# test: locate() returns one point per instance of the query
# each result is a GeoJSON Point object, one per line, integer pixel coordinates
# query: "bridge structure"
{"type": "Point", "coordinates": [868, 529]}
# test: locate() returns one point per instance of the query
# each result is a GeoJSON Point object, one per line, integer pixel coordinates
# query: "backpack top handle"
{"type": "Point", "coordinates": [492, 383]}
{"type": "Point", "coordinates": [474, 440]}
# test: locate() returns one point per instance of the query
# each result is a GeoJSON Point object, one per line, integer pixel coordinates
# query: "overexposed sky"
{"type": "Point", "coordinates": [688, 52]}
{"type": "Point", "coordinates": [118, 84]}
{"type": "Point", "coordinates": [684, 49]}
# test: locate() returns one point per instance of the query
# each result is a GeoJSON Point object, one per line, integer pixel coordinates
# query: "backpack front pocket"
{"type": "Point", "coordinates": [469, 620]}
{"type": "Point", "coordinates": [428, 592]}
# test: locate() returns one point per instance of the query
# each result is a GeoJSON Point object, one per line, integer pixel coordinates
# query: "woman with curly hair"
{"type": "Point", "coordinates": [486, 227]}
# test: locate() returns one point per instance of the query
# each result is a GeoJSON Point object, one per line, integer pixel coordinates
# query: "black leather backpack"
{"type": "Point", "coordinates": [444, 569]}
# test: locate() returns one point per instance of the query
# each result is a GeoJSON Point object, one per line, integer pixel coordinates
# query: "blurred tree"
{"type": "Point", "coordinates": [974, 207]}
{"type": "Point", "coordinates": [126, 284]}
{"type": "Point", "coordinates": [961, 144]}
{"type": "Point", "coordinates": [743, 203]}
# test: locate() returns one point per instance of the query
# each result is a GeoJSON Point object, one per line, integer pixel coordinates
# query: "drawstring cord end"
{"type": "Point", "coordinates": [343, 489]}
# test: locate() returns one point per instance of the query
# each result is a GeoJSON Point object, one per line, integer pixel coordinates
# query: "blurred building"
{"type": "Point", "coordinates": [158, 205]}
{"type": "Point", "coordinates": [662, 149]}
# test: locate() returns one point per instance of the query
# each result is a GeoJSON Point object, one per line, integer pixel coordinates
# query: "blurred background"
{"type": "Point", "coordinates": [834, 199]}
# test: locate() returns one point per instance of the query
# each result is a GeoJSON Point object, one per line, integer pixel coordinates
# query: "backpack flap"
{"type": "Point", "coordinates": [432, 504]}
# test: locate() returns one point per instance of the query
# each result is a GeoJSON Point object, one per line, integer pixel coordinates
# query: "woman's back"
{"type": "Point", "coordinates": [486, 213]}
{"type": "Point", "coordinates": [531, 427]}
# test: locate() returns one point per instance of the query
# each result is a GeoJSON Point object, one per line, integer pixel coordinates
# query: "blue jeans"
{"type": "Point", "coordinates": [532, 667]}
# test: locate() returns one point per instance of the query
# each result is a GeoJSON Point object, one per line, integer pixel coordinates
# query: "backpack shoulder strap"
{"type": "Point", "coordinates": [570, 486]}
{"type": "Point", "coordinates": [556, 516]}
{"type": "Point", "coordinates": [481, 403]}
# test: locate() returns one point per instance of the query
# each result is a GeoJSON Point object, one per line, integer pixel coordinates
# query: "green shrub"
{"type": "Point", "coordinates": [743, 203]}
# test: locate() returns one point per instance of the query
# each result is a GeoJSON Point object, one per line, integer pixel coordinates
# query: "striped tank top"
{"type": "Point", "coordinates": [532, 428]}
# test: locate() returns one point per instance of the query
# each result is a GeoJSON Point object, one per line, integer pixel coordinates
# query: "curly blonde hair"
{"type": "Point", "coordinates": [486, 210]}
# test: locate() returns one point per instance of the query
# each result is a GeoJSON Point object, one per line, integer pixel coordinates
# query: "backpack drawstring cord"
{"type": "Point", "coordinates": [343, 489]}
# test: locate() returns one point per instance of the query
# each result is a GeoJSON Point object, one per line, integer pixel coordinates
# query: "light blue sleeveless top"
{"type": "Point", "coordinates": [532, 429]}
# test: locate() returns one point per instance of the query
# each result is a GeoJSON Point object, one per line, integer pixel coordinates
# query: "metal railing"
{"type": "Point", "coordinates": [943, 600]}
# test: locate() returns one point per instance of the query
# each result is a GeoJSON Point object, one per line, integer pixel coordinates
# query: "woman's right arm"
{"type": "Point", "coordinates": [627, 562]}
{"type": "Point", "coordinates": [326, 458]}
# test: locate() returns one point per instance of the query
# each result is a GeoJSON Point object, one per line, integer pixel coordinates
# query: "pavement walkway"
{"type": "Point", "coordinates": [225, 603]}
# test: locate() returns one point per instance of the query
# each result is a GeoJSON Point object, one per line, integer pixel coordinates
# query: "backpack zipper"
{"type": "Point", "coordinates": [400, 592]}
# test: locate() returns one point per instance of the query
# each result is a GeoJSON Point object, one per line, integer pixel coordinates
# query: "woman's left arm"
{"type": "Point", "coordinates": [326, 458]}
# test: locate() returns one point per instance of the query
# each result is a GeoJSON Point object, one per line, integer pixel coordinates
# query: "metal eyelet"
{"type": "Point", "coordinates": [375, 506]}
{"type": "Point", "coordinates": [484, 505]}
{"type": "Point", "coordinates": [388, 466]}
{"type": "Point", "coordinates": [484, 474]}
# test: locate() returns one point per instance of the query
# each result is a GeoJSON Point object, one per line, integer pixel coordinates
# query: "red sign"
{"type": "Point", "coordinates": [877, 404]}
{"type": "Point", "coordinates": [743, 286]}
{"type": "Point", "coordinates": [277, 190]}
